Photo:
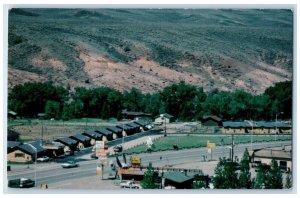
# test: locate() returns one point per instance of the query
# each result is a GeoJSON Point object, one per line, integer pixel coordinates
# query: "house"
{"type": "Point", "coordinates": [142, 124]}
{"type": "Point", "coordinates": [83, 141]}
{"type": "Point", "coordinates": [94, 136]}
{"type": "Point", "coordinates": [53, 149]}
{"type": "Point", "coordinates": [211, 121]}
{"type": "Point", "coordinates": [12, 135]}
{"type": "Point", "coordinates": [265, 156]}
{"type": "Point", "coordinates": [126, 129]}
{"type": "Point", "coordinates": [177, 179]}
{"type": "Point", "coordinates": [69, 144]}
{"type": "Point", "coordinates": [106, 134]}
{"type": "Point", "coordinates": [11, 145]}
{"type": "Point", "coordinates": [133, 127]}
{"type": "Point", "coordinates": [137, 127]}
{"type": "Point", "coordinates": [26, 152]}
{"type": "Point", "coordinates": [132, 115]}
{"type": "Point", "coordinates": [117, 132]}
{"type": "Point", "coordinates": [164, 118]}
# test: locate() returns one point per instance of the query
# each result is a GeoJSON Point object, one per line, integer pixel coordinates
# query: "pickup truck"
{"type": "Point", "coordinates": [21, 183]}
{"type": "Point", "coordinates": [129, 184]}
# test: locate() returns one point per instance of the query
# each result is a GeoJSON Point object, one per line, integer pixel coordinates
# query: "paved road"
{"type": "Point", "coordinates": [51, 173]}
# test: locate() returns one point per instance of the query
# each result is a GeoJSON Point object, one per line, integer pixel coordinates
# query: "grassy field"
{"type": "Point", "coordinates": [189, 141]}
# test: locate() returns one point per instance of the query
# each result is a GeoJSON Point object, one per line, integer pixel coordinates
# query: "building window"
{"type": "Point", "coordinates": [283, 165]}
{"type": "Point", "coordinates": [19, 154]}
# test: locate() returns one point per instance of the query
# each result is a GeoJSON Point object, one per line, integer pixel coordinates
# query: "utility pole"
{"type": "Point", "coordinates": [232, 145]}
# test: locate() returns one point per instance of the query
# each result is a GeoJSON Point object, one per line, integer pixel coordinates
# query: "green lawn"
{"type": "Point", "coordinates": [189, 141]}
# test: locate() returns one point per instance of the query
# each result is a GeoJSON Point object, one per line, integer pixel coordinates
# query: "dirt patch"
{"type": "Point", "coordinates": [16, 77]}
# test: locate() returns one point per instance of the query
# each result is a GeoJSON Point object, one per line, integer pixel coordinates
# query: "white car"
{"type": "Point", "coordinates": [70, 164]}
{"type": "Point", "coordinates": [43, 159]}
{"type": "Point", "coordinates": [129, 184]}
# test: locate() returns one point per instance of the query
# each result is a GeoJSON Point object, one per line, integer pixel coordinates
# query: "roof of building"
{"type": "Point", "coordinates": [132, 126]}
{"type": "Point", "coordinates": [51, 145]}
{"type": "Point", "coordinates": [12, 144]}
{"type": "Point", "coordinates": [92, 134]}
{"type": "Point", "coordinates": [80, 137]}
{"type": "Point", "coordinates": [32, 148]}
{"type": "Point", "coordinates": [213, 117]}
{"type": "Point", "coordinates": [123, 126]}
{"type": "Point", "coordinates": [140, 122]}
{"type": "Point", "coordinates": [134, 113]}
{"type": "Point", "coordinates": [104, 131]}
{"type": "Point", "coordinates": [236, 124]}
{"type": "Point", "coordinates": [166, 115]}
{"type": "Point", "coordinates": [260, 124]}
{"type": "Point", "coordinates": [269, 153]}
{"type": "Point", "coordinates": [66, 141]}
{"type": "Point", "coordinates": [114, 129]}
{"type": "Point", "coordinates": [177, 177]}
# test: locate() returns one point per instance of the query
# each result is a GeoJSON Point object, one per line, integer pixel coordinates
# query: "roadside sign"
{"type": "Point", "coordinates": [211, 145]}
{"type": "Point", "coordinates": [100, 148]}
{"type": "Point", "coordinates": [209, 150]}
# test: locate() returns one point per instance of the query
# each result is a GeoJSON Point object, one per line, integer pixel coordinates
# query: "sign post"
{"type": "Point", "coordinates": [210, 146]}
{"type": "Point", "coordinates": [101, 153]}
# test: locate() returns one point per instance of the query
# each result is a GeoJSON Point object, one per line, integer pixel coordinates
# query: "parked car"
{"type": "Point", "coordinates": [43, 159]}
{"type": "Point", "coordinates": [21, 183]}
{"type": "Point", "coordinates": [69, 153]}
{"type": "Point", "coordinates": [118, 148]}
{"type": "Point", "coordinates": [129, 184]}
{"type": "Point", "coordinates": [70, 164]}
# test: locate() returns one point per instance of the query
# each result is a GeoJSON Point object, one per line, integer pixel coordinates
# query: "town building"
{"type": "Point", "coordinates": [83, 141]}
{"type": "Point", "coordinates": [69, 144]}
{"type": "Point", "coordinates": [265, 156]}
{"type": "Point", "coordinates": [213, 120]}
{"type": "Point", "coordinates": [94, 136]}
{"type": "Point", "coordinates": [164, 118]}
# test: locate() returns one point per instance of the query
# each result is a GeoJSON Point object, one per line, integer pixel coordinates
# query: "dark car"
{"type": "Point", "coordinates": [21, 183]}
{"type": "Point", "coordinates": [118, 148]}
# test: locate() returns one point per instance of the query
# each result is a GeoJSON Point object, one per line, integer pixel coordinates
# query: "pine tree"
{"type": "Point", "coordinates": [245, 175]}
{"type": "Point", "coordinates": [225, 175]}
{"type": "Point", "coordinates": [259, 181]}
{"type": "Point", "coordinates": [274, 176]}
{"type": "Point", "coordinates": [149, 178]}
{"type": "Point", "coordinates": [288, 183]}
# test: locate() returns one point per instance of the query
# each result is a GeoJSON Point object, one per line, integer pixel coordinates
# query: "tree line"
{"type": "Point", "coordinates": [184, 101]}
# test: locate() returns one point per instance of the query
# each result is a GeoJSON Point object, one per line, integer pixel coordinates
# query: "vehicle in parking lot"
{"type": "Point", "coordinates": [21, 183]}
{"type": "Point", "coordinates": [69, 153]}
{"type": "Point", "coordinates": [70, 164]}
{"type": "Point", "coordinates": [43, 159]}
{"type": "Point", "coordinates": [118, 148]}
{"type": "Point", "coordinates": [129, 184]}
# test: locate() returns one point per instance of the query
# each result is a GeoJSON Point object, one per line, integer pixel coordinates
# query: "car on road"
{"type": "Point", "coordinates": [118, 148]}
{"type": "Point", "coordinates": [43, 159]}
{"type": "Point", "coordinates": [70, 164]}
{"type": "Point", "coordinates": [129, 184]}
{"type": "Point", "coordinates": [21, 183]}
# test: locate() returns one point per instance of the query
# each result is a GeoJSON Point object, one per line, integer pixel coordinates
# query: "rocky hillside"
{"type": "Point", "coordinates": [151, 48]}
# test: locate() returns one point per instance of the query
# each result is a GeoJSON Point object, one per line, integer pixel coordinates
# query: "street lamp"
{"type": "Point", "coordinates": [251, 124]}
{"type": "Point", "coordinates": [35, 149]}
{"type": "Point", "coordinates": [277, 114]}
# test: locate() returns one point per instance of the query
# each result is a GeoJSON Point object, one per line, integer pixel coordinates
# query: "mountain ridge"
{"type": "Point", "coordinates": [151, 48]}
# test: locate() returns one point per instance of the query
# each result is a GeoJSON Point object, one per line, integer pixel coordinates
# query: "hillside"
{"type": "Point", "coordinates": [151, 48]}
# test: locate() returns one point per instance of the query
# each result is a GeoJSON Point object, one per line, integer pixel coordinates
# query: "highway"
{"type": "Point", "coordinates": [52, 172]}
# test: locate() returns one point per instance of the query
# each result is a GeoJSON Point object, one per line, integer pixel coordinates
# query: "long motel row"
{"type": "Point", "coordinates": [27, 152]}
